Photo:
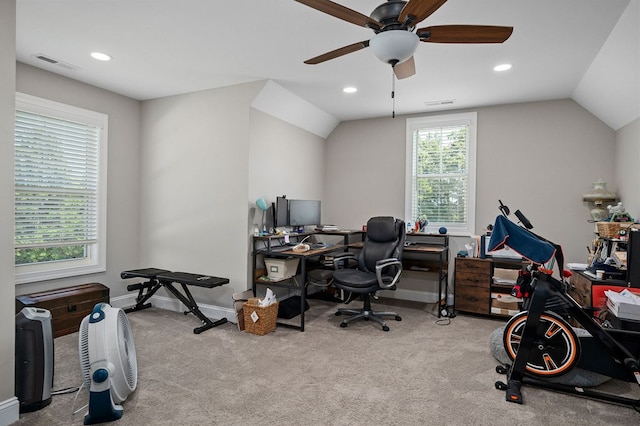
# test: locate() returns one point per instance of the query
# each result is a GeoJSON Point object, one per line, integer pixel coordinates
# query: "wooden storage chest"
{"type": "Point", "coordinates": [68, 306]}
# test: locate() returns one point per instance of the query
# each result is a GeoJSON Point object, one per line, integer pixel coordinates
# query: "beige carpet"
{"type": "Point", "coordinates": [420, 372]}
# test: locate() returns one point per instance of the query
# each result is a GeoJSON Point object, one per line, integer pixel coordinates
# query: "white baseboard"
{"type": "Point", "coordinates": [9, 411]}
{"type": "Point", "coordinates": [217, 312]}
{"type": "Point", "coordinates": [171, 304]}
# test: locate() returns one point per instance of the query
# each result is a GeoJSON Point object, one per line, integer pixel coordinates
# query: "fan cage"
{"type": "Point", "coordinates": [83, 343]}
{"type": "Point", "coordinates": [127, 350]}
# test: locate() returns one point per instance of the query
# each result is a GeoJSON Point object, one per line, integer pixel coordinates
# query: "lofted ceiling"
{"type": "Point", "coordinates": [559, 49]}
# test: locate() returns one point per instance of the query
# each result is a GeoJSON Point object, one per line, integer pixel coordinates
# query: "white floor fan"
{"type": "Point", "coordinates": [108, 362]}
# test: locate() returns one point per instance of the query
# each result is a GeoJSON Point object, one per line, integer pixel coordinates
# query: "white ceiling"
{"type": "Point", "coordinates": [168, 47]}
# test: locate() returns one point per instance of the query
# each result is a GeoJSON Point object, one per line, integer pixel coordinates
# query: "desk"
{"type": "Point", "coordinates": [268, 250]}
{"type": "Point", "coordinates": [442, 254]}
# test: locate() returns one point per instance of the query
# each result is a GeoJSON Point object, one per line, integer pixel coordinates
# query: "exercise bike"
{"type": "Point", "coordinates": [540, 341]}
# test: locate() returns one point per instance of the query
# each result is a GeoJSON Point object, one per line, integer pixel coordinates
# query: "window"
{"type": "Point", "coordinates": [440, 172]}
{"type": "Point", "coordinates": [60, 190]}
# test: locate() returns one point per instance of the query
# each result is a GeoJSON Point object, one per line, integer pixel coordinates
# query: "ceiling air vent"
{"type": "Point", "coordinates": [46, 59]}
{"type": "Point", "coordinates": [440, 103]}
{"type": "Point", "coordinates": [53, 61]}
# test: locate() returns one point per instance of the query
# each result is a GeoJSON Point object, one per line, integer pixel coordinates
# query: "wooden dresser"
{"type": "Point", "coordinates": [475, 290]}
{"type": "Point", "coordinates": [472, 285]}
{"type": "Point", "coordinates": [589, 291]}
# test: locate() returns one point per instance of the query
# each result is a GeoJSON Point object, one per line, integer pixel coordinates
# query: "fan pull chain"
{"type": "Point", "coordinates": [393, 94]}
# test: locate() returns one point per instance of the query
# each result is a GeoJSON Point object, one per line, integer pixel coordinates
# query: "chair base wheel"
{"type": "Point", "coordinates": [367, 314]}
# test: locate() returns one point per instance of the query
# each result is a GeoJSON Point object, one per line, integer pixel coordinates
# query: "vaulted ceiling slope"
{"type": "Point", "coordinates": [584, 49]}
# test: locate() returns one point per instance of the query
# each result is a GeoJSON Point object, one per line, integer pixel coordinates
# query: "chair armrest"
{"type": "Point", "coordinates": [383, 264]}
{"type": "Point", "coordinates": [340, 260]}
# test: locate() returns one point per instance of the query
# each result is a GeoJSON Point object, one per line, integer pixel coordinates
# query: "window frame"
{"type": "Point", "coordinates": [95, 259]}
{"type": "Point", "coordinates": [467, 118]}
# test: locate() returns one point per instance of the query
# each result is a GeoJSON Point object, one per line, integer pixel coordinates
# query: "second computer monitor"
{"type": "Point", "coordinates": [282, 211]}
{"type": "Point", "coordinates": [304, 212]}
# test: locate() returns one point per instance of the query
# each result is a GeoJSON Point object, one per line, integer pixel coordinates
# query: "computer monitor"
{"type": "Point", "coordinates": [282, 211]}
{"type": "Point", "coordinates": [304, 212]}
{"type": "Point", "coordinates": [633, 258]}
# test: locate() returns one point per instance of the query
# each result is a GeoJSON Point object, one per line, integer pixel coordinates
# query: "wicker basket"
{"type": "Point", "coordinates": [611, 229]}
{"type": "Point", "coordinates": [266, 321]}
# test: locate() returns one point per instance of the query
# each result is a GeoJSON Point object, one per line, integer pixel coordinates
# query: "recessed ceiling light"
{"type": "Point", "coordinates": [502, 67]}
{"type": "Point", "coordinates": [100, 56]}
{"type": "Point", "coordinates": [350, 89]}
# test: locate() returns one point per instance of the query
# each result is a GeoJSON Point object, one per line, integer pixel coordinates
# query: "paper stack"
{"type": "Point", "coordinates": [327, 228]}
{"type": "Point", "coordinates": [624, 304]}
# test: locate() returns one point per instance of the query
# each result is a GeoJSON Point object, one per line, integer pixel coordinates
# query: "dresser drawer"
{"type": "Point", "coordinates": [580, 290]}
{"type": "Point", "coordinates": [473, 265]}
{"type": "Point", "coordinates": [472, 299]}
{"type": "Point", "coordinates": [473, 272]}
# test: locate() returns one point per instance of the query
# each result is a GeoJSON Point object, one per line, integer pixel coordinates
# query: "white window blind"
{"type": "Point", "coordinates": [441, 171]}
{"type": "Point", "coordinates": [56, 181]}
{"type": "Point", "coordinates": [60, 190]}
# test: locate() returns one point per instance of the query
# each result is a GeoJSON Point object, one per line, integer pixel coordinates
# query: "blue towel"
{"type": "Point", "coordinates": [507, 234]}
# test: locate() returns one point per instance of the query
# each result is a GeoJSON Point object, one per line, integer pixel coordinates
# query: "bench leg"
{"type": "Point", "coordinates": [190, 303]}
{"type": "Point", "coordinates": [151, 286]}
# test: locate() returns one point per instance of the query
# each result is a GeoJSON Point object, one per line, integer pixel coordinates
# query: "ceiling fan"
{"type": "Point", "coordinates": [395, 41]}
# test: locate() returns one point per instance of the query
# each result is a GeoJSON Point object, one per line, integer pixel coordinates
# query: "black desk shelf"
{"type": "Point", "coordinates": [430, 250]}
{"type": "Point", "coordinates": [269, 249]}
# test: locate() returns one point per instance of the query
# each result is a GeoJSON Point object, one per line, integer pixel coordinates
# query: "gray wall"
{"type": "Point", "coordinates": [627, 167]}
{"type": "Point", "coordinates": [9, 407]}
{"type": "Point", "coordinates": [206, 158]}
{"type": "Point", "coordinates": [537, 157]}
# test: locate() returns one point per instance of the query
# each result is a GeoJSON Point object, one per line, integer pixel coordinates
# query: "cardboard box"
{"type": "Point", "coordinates": [280, 269]}
{"type": "Point", "coordinates": [238, 301]}
{"type": "Point", "coordinates": [504, 308]}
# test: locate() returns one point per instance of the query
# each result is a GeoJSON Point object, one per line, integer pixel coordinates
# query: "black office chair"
{"type": "Point", "coordinates": [379, 268]}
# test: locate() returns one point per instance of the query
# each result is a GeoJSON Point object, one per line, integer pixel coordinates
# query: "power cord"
{"type": "Point", "coordinates": [64, 391]}
{"type": "Point", "coordinates": [73, 405]}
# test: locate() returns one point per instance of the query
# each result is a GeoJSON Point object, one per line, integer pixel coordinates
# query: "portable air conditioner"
{"type": "Point", "coordinates": [34, 358]}
{"type": "Point", "coordinates": [108, 362]}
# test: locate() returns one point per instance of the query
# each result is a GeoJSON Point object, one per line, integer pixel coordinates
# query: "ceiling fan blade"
{"type": "Point", "coordinates": [464, 34]}
{"type": "Point", "coordinates": [341, 12]}
{"type": "Point", "coordinates": [405, 69]}
{"type": "Point", "coordinates": [338, 52]}
{"type": "Point", "coordinates": [418, 10]}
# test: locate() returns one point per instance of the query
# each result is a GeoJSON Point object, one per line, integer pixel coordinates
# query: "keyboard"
{"type": "Point", "coordinates": [320, 245]}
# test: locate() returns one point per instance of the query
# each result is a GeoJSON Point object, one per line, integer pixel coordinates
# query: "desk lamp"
{"type": "Point", "coordinates": [262, 205]}
{"type": "Point", "coordinates": [598, 196]}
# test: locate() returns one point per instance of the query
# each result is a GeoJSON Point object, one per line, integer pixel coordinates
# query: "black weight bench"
{"type": "Point", "coordinates": [157, 278]}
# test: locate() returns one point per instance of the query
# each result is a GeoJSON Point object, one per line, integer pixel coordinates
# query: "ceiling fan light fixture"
{"type": "Point", "coordinates": [394, 46]}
